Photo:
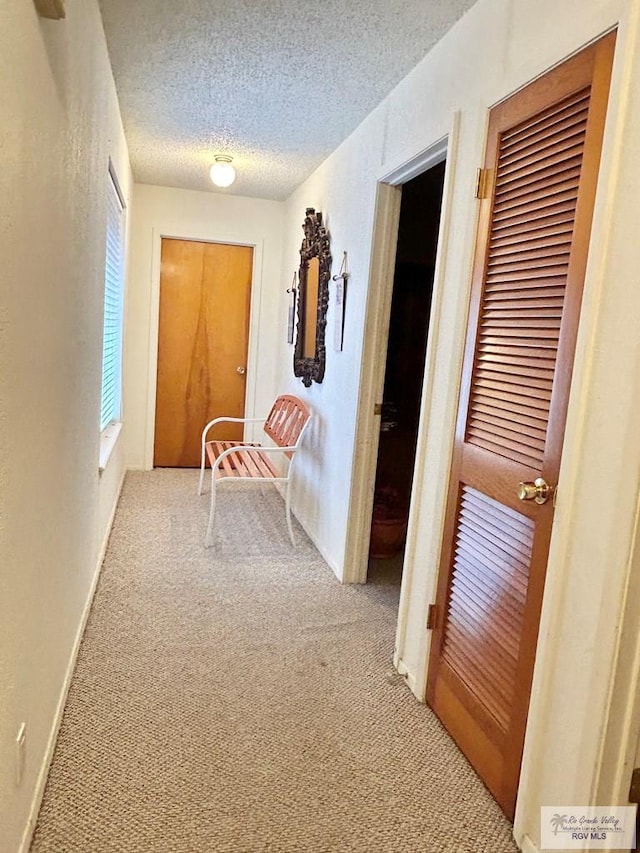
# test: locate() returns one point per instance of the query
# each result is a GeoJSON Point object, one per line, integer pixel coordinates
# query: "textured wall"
{"type": "Point", "coordinates": [161, 211]}
{"type": "Point", "coordinates": [343, 188]}
{"type": "Point", "coordinates": [496, 48]}
{"type": "Point", "coordinates": [59, 123]}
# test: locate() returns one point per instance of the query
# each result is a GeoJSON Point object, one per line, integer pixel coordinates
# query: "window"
{"type": "Point", "coordinates": [113, 290]}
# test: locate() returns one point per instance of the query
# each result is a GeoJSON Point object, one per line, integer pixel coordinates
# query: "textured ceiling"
{"type": "Point", "coordinates": [276, 84]}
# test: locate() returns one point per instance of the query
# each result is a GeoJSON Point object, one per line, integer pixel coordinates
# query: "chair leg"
{"type": "Point", "coordinates": [208, 540]}
{"type": "Point", "coordinates": [201, 482]}
{"type": "Point", "coordinates": [287, 506]}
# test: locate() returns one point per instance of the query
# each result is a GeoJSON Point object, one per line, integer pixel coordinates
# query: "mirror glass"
{"type": "Point", "coordinates": [311, 308]}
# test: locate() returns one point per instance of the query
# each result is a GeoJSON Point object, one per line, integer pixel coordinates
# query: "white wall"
{"type": "Point", "coordinates": [495, 49]}
{"type": "Point", "coordinates": [343, 189]}
{"type": "Point", "coordinates": [158, 212]}
{"type": "Point", "coordinates": [59, 124]}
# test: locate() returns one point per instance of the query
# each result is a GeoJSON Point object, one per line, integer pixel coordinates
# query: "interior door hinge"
{"type": "Point", "coordinates": [432, 617]}
{"type": "Point", "coordinates": [634, 790]}
{"type": "Point", "coordinates": [377, 409]}
{"type": "Point", "coordinates": [483, 183]}
{"type": "Point", "coordinates": [53, 9]}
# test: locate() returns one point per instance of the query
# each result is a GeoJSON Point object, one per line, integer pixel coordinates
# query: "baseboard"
{"type": "Point", "coordinates": [527, 845]}
{"type": "Point", "coordinates": [41, 782]}
{"type": "Point", "coordinates": [136, 465]}
{"type": "Point", "coordinates": [408, 676]}
{"type": "Point", "coordinates": [399, 664]}
{"type": "Point", "coordinates": [332, 565]}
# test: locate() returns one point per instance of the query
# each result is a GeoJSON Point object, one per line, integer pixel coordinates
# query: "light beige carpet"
{"type": "Point", "coordinates": [239, 699]}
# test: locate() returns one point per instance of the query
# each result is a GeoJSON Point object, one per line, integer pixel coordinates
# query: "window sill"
{"type": "Point", "coordinates": [108, 441]}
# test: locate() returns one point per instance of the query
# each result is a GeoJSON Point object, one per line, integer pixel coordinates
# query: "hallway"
{"type": "Point", "coordinates": [240, 699]}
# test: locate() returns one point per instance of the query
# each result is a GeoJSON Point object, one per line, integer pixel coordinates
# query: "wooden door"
{"type": "Point", "coordinates": [203, 336]}
{"type": "Point", "coordinates": [542, 158]}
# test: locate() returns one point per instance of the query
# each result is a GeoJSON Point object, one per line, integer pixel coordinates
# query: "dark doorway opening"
{"type": "Point", "coordinates": [404, 373]}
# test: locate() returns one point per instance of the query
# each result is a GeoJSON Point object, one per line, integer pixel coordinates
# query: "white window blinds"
{"type": "Point", "coordinates": [113, 288]}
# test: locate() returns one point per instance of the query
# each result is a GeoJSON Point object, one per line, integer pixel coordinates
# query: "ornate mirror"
{"type": "Point", "coordinates": [313, 299]}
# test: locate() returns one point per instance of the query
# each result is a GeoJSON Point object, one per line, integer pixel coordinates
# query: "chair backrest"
{"type": "Point", "coordinates": [286, 421]}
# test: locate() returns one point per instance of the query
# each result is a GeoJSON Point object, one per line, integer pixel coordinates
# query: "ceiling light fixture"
{"type": "Point", "coordinates": [222, 172]}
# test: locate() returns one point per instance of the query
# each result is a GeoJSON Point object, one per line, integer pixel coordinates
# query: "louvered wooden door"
{"type": "Point", "coordinates": [543, 154]}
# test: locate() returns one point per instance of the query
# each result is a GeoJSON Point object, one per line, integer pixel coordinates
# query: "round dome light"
{"type": "Point", "coordinates": [222, 172]}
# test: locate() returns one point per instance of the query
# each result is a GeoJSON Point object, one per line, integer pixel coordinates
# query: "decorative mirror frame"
{"type": "Point", "coordinates": [314, 245]}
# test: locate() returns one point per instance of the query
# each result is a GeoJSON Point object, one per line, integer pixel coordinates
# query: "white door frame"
{"type": "Point", "coordinates": [376, 334]}
{"type": "Point", "coordinates": [154, 319]}
{"type": "Point", "coordinates": [620, 745]}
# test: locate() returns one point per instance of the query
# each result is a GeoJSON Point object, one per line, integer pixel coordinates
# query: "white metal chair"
{"type": "Point", "coordinates": [239, 461]}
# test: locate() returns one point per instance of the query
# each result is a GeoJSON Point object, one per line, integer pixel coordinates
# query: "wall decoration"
{"type": "Point", "coordinates": [292, 291]}
{"type": "Point", "coordinates": [313, 299]}
{"type": "Point", "coordinates": [341, 300]}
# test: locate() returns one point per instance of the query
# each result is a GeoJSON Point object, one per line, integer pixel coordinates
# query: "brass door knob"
{"type": "Point", "coordinates": [538, 491]}
{"type": "Point", "coordinates": [241, 370]}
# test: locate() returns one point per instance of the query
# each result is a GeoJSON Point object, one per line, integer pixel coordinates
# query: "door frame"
{"type": "Point", "coordinates": [376, 338]}
{"type": "Point", "coordinates": [620, 749]}
{"type": "Point", "coordinates": [158, 235]}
